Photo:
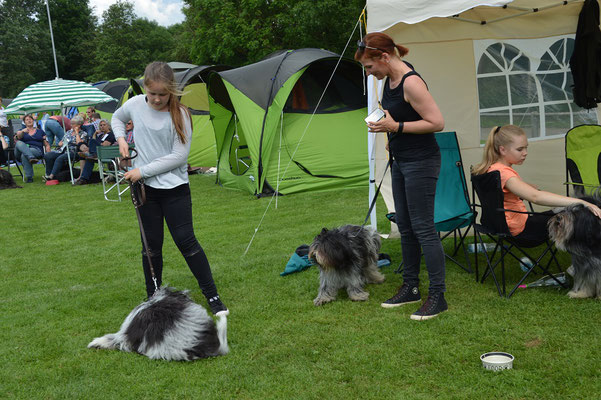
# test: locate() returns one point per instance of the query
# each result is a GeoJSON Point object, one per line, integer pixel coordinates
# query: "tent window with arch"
{"type": "Point", "coordinates": [528, 82]}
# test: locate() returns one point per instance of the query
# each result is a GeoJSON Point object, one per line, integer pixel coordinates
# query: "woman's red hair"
{"type": "Point", "coordinates": [381, 43]}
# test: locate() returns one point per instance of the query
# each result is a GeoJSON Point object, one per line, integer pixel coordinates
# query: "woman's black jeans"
{"type": "Point", "coordinates": [175, 207]}
{"type": "Point", "coordinates": [413, 189]}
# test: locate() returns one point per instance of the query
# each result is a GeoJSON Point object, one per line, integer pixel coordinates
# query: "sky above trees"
{"type": "Point", "coordinates": [164, 12]}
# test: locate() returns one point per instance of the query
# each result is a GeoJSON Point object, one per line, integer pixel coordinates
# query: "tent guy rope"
{"type": "Point", "coordinates": [275, 194]}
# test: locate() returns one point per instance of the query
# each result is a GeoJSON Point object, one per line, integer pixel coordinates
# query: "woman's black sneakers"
{"type": "Point", "coordinates": [407, 294]}
{"type": "Point", "coordinates": [434, 305]}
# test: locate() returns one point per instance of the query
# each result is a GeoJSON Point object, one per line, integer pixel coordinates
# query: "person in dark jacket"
{"type": "Point", "coordinates": [585, 62]}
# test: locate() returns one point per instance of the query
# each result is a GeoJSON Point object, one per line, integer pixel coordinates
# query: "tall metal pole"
{"type": "Point", "coordinates": [52, 39]}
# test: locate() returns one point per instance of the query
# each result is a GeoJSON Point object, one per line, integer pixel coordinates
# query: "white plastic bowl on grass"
{"type": "Point", "coordinates": [497, 361]}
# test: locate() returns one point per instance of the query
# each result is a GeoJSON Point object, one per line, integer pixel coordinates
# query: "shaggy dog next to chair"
{"type": "Point", "coordinates": [168, 326]}
{"type": "Point", "coordinates": [578, 231]}
{"type": "Point", "coordinates": [6, 180]}
{"type": "Point", "coordinates": [347, 258]}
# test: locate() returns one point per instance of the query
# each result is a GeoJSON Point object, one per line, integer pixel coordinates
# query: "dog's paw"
{"type": "Point", "coordinates": [95, 344]}
{"type": "Point", "coordinates": [577, 294]}
{"type": "Point", "coordinates": [320, 301]}
{"type": "Point", "coordinates": [359, 296]}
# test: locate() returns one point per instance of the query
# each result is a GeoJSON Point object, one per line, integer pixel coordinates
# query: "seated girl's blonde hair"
{"type": "Point", "coordinates": [160, 72]}
{"type": "Point", "coordinates": [498, 136]}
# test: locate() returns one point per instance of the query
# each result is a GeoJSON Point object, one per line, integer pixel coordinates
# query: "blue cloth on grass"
{"type": "Point", "coordinates": [300, 261]}
{"type": "Point", "coordinates": [296, 264]}
{"type": "Point", "coordinates": [383, 262]}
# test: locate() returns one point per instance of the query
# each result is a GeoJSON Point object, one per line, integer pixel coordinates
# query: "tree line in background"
{"type": "Point", "coordinates": [229, 32]}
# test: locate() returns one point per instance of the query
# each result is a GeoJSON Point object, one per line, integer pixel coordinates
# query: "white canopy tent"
{"type": "Point", "coordinates": [488, 63]}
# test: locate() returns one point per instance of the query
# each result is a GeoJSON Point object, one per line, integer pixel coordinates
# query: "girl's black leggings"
{"type": "Point", "coordinates": [175, 207]}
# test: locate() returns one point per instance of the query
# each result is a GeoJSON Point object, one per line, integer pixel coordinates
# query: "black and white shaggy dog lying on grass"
{"type": "Point", "coordinates": [347, 258]}
{"type": "Point", "coordinates": [169, 326]}
{"type": "Point", "coordinates": [578, 231]}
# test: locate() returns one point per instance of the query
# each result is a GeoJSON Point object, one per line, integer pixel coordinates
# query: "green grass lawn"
{"type": "Point", "coordinates": [71, 270]}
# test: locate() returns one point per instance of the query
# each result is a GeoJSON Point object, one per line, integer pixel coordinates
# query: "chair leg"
{"type": "Point", "coordinates": [399, 269]}
{"type": "Point", "coordinates": [503, 266]}
{"type": "Point", "coordinates": [490, 270]}
{"type": "Point", "coordinates": [459, 241]}
{"type": "Point", "coordinates": [476, 255]}
{"type": "Point", "coordinates": [462, 244]}
{"type": "Point", "coordinates": [11, 157]}
{"type": "Point", "coordinates": [490, 260]}
{"type": "Point", "coordinates": [538, 263]}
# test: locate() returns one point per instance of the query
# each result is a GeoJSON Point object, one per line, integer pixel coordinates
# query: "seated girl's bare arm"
{"type": "Point", "coordinates": [525, 191]}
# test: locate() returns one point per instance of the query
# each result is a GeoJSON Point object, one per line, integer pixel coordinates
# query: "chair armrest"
{"type": "Point", "coordinates": [581, 184]}
{"type": "Point", "coordinates": [520, 212]}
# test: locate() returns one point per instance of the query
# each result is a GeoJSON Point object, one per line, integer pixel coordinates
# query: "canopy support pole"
{"type": "Point", "coordinates": [52, 39]}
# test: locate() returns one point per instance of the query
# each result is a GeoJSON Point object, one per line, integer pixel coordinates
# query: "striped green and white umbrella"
{"type": "Point", "coordinates": [56, 95]}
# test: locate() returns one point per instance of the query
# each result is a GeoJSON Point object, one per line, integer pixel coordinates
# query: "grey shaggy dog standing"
{"type": "Point", "coordinates": [578, 231]}
{"type": "Point", "coordinates": [169, 326]}
{"type": "Point", "coordinates": [347, 258]}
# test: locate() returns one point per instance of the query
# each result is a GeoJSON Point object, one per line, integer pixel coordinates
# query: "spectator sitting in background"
{"type": "Point", "coordinates": [4, 141]}
{"type": "Point", "coordinates": [88, 126]}
{"type": "Point", "coordinates": [63, 121]}
{"type": "Point", "coordinates": [55, 160]}
{"type": "Point", "coordinates": [33, 116]}
{"type": "Point", "coordinates": [92, 122]}
{"type": "Point", "coordinates": [54, 131]}
{"type": "Point", "coordinates": [29, 146]}
{"type": "Point", "coordinates": [89, 112]}
{"type": "Point", "coordinates": [3, 120]}
{"type": "Point", "coordinates": [95, 120]}
{"type": "Point", "coordinates": [4, 131]}
{"type": "Point", "coordinates": [103, 137]}
{"type": "Point", "coordinates": [129, 132]}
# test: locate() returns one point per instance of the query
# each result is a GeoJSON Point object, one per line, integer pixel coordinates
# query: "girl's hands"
{"type": "Point", "coordinates": [593, 208]}
{"type": "Point", "coordinates": [134, 175]}
{"type": "Point", "coordinates": [123, 148]}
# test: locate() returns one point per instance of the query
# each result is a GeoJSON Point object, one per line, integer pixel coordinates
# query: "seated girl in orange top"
{"type": "Point", "coordinates": [506, 146]}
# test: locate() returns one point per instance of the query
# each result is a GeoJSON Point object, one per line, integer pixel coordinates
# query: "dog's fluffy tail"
{"type": "Point", "coordinates": [222, 335]}
{"type": "Point", "coordinates": [109, 341]}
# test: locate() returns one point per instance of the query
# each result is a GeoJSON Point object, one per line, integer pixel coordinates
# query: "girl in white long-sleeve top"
{"type": "Point", "coordinates": [163, 135]}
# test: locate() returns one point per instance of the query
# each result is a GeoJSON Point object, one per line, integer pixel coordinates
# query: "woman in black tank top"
{"type": "Point", "coordinates": [411, 118]}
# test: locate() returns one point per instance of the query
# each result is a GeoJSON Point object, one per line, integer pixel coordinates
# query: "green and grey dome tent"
{"type": "Point", "coordinates": [291, 122]}
{"type": "Point", "coordinates": [114, 88]}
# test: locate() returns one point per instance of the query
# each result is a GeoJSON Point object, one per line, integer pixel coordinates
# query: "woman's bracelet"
{"type": "Point", "coordinates": [401, 125]}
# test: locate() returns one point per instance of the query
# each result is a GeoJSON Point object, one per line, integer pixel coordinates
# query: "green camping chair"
{"type": "Point", "coordinates": [109, 155]}
{"type": "Point", "coordinates": [452, 210]}
{"type": "Point", "coordinates": [583, 159]}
